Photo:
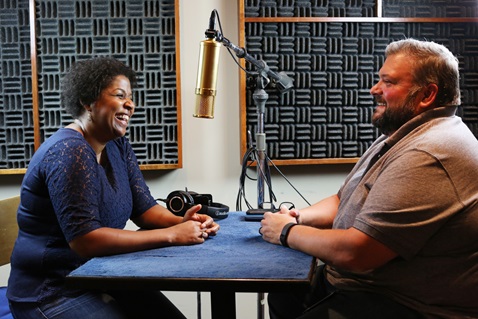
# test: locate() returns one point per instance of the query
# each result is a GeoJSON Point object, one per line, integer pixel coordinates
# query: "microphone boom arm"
{"type": "Point", "coordinates": [283, 81]}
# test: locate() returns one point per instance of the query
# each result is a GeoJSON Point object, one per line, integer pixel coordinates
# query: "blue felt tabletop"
{"type": "Point", "coordinates": [237, 251]}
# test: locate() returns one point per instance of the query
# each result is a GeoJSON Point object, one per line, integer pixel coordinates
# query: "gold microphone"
{"type": "Point", "coordinates": [207, 78]}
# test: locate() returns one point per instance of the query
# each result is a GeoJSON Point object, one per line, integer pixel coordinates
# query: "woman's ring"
{"type": "Point", "coordinates": [204, 234]}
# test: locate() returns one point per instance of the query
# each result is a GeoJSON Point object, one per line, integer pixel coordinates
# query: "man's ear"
{"type": "Point", "coordinates": [429, 96]}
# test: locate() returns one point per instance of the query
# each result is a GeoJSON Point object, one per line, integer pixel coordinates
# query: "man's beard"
{"type": "Point", "coordinates": [393, 118]}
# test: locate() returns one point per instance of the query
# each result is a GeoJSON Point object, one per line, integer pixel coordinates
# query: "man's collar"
{"type": "Point", "coordinates": [422, 118]}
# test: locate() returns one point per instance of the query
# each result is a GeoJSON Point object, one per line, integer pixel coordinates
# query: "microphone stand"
{"type": "Point", "coordinates": [260, 96]}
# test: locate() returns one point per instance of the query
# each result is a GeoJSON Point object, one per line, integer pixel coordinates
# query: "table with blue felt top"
{"type": "Point", "coordinates": [237, 259]}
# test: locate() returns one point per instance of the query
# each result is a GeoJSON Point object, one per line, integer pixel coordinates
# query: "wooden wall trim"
{"type": "Point", "coordinates": [33, 50]}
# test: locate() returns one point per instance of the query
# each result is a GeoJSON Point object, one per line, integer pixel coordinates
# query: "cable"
{"type": "Point", "coordinates": [283, 176]}
{"type": "Point", "coordinates": [251, 154]}
{"type": "Point", "coordinates": [229, 50]}
{"type": "Point", "coordinates": [241, 193]}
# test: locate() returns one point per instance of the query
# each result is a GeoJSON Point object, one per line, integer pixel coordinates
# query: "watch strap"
{"type": "Point", "coordinates": [285, 233]}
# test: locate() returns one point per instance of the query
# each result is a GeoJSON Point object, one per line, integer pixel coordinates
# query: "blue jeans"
{"type": "Point", "coordinates": [90, 305]}
{"type": "Point", "coordinates": [87, 305]}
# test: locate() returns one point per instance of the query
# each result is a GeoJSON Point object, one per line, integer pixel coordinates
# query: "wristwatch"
{"type": "Point", "coordinates": [285, 233]}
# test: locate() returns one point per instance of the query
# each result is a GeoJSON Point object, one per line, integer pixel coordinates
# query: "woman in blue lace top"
{"type": "Point", "coordinates": [81, 187]}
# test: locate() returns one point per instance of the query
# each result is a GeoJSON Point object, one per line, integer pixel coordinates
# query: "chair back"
{"type": "Point", "coordinates": [8, 227]}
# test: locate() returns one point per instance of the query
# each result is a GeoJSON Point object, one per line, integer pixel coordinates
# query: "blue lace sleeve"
{"type": "Point", "coordinates": [72, 181]}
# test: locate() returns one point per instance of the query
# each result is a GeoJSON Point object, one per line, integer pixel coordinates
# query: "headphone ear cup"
{"type": "Point", "coordinates": [178, 202]}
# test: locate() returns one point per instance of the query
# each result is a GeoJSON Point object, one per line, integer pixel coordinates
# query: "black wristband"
{"type": "Point", "coordinates": [285, 233]}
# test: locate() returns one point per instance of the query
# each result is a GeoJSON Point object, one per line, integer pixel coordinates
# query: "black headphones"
{"type": "Point", "coordinates": [178, 202]}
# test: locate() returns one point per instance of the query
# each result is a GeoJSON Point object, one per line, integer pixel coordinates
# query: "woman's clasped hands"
{"type": "Point", "coordinates": [197, 227]}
